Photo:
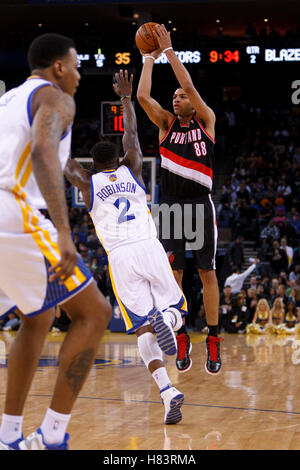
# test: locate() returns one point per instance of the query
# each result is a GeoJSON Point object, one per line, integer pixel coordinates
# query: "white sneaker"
{"type": "Point", "coordinates": [173, 401]}
{"type": "Point", "coordinates": [12, 445]}
{"type": "Point", "coordinates": [35, 441]}
{"type": "Point", "coordinates": [164, 332]}
{"type": "Point", "coordinates": [170, 313]}
{"type": "Point", "coordinates": [5, 446]}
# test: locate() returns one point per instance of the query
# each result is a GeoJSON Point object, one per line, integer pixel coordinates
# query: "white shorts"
{"type": "Point", "coordinates": [143, 281]}
{"type": "Point", "coordinates": [28, 247]}
{"type": "Point", "coordinates": [6, 304]}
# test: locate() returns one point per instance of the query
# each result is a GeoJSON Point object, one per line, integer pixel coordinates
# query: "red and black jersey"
{"type": "Point", "coordinates": [187, 155]}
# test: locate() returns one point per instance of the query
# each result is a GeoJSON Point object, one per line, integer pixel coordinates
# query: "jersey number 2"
{"type": "Point", "coordinates": [123, 217]}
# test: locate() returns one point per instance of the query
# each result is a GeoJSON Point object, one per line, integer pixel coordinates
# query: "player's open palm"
{"type": "Point", "coordinates": [162, 36]}
{"type": "Point", "coordinates": [123, 85]}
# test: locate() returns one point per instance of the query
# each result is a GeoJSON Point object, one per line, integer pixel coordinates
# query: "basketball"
{"type": "Point", "coordinates": [145, 39]}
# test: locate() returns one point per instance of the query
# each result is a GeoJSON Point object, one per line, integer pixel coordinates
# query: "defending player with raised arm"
{"type": "Point", "coordinates": [147, 293]}
{"type": "Point", "coordinates": [133, 158]}
{"type": "Point", "coordinates": [186, 144]}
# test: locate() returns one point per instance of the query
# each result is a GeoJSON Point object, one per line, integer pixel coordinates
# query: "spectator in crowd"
{"type": "Point", "coordinates": [92, 243]}
{"type": "Point", "coordinates": [236, 280]}
{"type": "Point", "coordinates": [288, 250]}
{"type": "Point", "coordinates": [271, 230]}
{"type": "Point", "coordinates": [225, 306]}
{"type": "Point", "coordinates": [262, 314]}
{"type": "Point", "coordinates": [236, 253]}
{"type": "Point", "coordinates": [251, 302]}
{"type": "Point", "coordinates": [291, 315]}
{"type": "Point", "coordinates": [238, 317]}
{"type": "Point", "coordinates": [253, 282]}
{"type": "Point", "coordinates": [277, 311]}
{"type": "Point", "coordinates": [279, 260]}
{"type": "Point", "coordinates": [260, 291]}
{"type": "Point", "coordinates": [295, 223]}
{"type": "Point", "coordinates": [225, 217]}
{"type": "Point", "coordinates": [295, 273]}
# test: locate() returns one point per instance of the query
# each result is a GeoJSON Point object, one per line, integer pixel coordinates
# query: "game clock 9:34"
{"type": "Point", "coordinates": [224, 56]}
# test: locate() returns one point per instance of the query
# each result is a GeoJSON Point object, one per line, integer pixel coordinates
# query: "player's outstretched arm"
{"type": "Point", "coordinates": [133, 154]}
{"type": "Point", "coordinates": [204, 112]}
{"type": "Point", "coordinates": [53, 111]}
{"type": "Point", "coordinates": [123, 88]}
{"type": "Point", "coordinates": [156, 113]}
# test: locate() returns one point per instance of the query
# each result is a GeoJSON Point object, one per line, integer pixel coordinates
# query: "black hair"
{"type": "Point", "coordinates": [104, 151]}
{"type": "Point", "coordinates": [47, 48]}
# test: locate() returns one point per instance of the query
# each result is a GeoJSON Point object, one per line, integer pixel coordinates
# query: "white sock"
{"type": "Point", "coordinates": [11, 428]}
{"type": "Point", "coordinates": [54, 426]}
{"type": "Point", "coordinates": [161, 378]}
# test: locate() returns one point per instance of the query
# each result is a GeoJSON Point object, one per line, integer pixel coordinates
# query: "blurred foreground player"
{"type": "Point", "coordinates": [186, 142]}
{"type": "Point", "coordinates": [39, 265]}
{"type": "Point", "coordinates": [148, 295]}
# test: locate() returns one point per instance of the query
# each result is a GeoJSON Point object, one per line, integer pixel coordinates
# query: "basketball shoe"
{"type": "Point", "coordinates": [213, 362]}
{"type": "Point", "coordinates": [12, 445]}
{"type": "Point", "coordinates": [163, 327]}
{"type": "Point", "coordinates": [35, 441]}
{"type": "Point", "coordinates": [172, 400]}
{"type": "Point", "coordinates": [184, 347]}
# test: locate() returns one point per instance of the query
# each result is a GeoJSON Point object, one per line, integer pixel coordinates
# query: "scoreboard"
{"type": "Point", "coordinates": [112, 118]}
{"type": "Point", "coordinates": [249, 53]}
{"type": "Point", "coordinates": [106, 58]}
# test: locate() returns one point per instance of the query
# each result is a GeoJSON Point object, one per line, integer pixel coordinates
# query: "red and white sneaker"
{"type": "Point", "coordinates": [213, 362]}
{"type": "Point", "coordinates": [184, 347]}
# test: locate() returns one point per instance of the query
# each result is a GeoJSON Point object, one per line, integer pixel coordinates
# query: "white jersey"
{"type": "Point", "coordinates": [119, 209]}
{"type": "Point", "coordinates": [16, 173]}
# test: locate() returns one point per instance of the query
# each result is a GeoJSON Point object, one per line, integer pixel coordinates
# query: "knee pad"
{"type": "Point", "coordinates": [148, 348]}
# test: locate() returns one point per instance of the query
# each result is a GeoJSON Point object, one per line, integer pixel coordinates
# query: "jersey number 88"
{"type": "Point", "coordinates": [200, 148]}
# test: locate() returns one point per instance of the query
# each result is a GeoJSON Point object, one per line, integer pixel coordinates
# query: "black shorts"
{"type": "Point", "coordinates": [184, 221]}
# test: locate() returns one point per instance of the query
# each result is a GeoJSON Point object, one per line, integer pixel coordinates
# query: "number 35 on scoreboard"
{"type": "Point", "coordinates": [122, 58]}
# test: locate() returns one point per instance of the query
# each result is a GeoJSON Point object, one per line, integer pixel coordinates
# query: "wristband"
{"type": "Point", "coordinates": [150, 56]}
{"type": "Point", "coordinates": [168, 48]}
{"type": "Point", "coordinates": [124, 97]}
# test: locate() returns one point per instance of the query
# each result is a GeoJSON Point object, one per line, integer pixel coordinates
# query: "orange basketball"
{"type": "Point", "coordinates": [145, 39]}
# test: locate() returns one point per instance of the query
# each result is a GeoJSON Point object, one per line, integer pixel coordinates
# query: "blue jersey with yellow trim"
{"type": "Point", "coordinates": [119, 208]}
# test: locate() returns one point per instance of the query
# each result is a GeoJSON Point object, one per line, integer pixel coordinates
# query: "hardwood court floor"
{"type": "Point", "coordinates": [253, 404]}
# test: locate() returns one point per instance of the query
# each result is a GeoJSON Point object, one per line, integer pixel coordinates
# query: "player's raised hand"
{"type": "Point", "coordinates": [123, 84]}
{"type": "Point", "coordinates": [162, 36]}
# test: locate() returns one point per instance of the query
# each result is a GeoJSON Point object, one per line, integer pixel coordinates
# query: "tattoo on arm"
{"type": "Point", "coordinates": [49, 123]}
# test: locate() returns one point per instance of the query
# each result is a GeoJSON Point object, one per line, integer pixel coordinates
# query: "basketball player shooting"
{"type": "Point", "coordinates": [148, 295]}
{"type": "Point", "coordinates": [186, 143]}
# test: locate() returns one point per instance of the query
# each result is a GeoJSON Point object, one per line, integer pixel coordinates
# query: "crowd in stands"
{"type": "Point", "coordinates": [260, 203]}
